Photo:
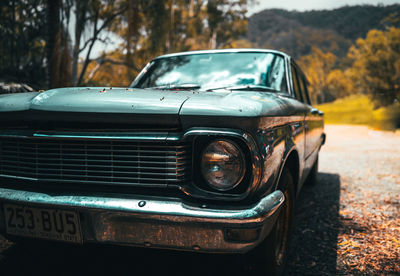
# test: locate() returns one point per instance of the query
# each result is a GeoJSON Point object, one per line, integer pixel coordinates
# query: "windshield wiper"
{"type": "Point", "coordinates": [249, 87]}
{"type": "Point", "coordinates": [187, 86]}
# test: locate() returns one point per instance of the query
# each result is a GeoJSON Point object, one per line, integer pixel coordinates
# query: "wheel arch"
{"type": "Point", "coordinates": [292, 163]}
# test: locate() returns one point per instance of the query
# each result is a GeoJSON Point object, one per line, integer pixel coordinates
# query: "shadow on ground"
{"type": "Point", "coordinates": [313, 248]}
{"type": "Point", "coordinates": [110, 260]}
{"type": "Point", "coordinates": [314, 245]}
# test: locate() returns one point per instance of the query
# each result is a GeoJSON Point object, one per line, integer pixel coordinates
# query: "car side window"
{"type": "Point", "coordinates": [296, 88]}
{"type": "Point", "coordinates": [304, 91]}
{"type": "Point", "coordinates": [302, 87]}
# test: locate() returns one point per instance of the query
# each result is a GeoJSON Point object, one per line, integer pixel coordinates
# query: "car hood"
{"type": "Point", "coordinates": [97, 99]}
{"type": "Point", "coordinates": [235, 103]}
{"type": "Point", "coordinates": [143, 106]}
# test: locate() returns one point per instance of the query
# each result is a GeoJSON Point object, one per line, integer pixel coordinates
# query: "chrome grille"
{"type": "Point", "coordinates": [97, 162]}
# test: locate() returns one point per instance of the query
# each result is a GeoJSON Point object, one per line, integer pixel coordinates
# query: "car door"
{"type": "Point", "coordinates": [313, 122]}
{"type": "Point", "coordinates": [299, 126]}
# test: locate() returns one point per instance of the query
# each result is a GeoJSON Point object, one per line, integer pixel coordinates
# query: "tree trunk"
{"type": "Point", "coordinates": [80, 16]}
{"type": "Point", "coordinates": [191, 7]}
{"type": "Point", "coordinates": [171, 27]}
{"type": "Point", "coordinates": [53, 30]}
{"type": "Point", "coordinates": [213, 40]}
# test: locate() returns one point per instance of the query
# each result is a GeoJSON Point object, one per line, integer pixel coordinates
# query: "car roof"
{"type": "Point", "coordinates": [235, 50]}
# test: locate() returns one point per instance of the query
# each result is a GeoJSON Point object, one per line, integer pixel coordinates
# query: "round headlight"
{"type": "Point", "coordinates": [223, 165]}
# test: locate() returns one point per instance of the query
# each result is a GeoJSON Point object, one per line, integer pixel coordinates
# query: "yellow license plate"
{"type": "Point", "coordinates": [51, 224]}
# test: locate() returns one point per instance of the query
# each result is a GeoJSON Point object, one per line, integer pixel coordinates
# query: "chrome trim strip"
{"type": "Point", "coordinates": [18, 177]}
{"type": "Point", "coordinates": [216, 51]}
{"type": "Point", "coordinates": [138, 136]}
{"type": "Point", "coordinates": [280, 120]}
{"type": "Point", "coordinates": [289, 76]}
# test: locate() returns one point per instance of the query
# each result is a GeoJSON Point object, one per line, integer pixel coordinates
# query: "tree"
{"type": "Point", "coordinates": [376, 65]}
{"type": "Point", "coordinates": [22, 43]}
{"type": "Point", "coordinates": [57, 46]}
{"type": "Point", "coordinates": [152, 27]}
{"type": "Point", "coordinates": [92, 17]}
{"type": "Point", "coordinates": [339, 83]}
{"type": "Point", "coordinates": [317, 67]}
{"type": "Point", "coordinates": [226, 21]}
{"type": "Point", "coordinates": [52, 40]}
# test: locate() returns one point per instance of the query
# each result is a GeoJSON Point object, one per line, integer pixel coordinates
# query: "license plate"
{"type": "Point", "coordinates": [41, 223]}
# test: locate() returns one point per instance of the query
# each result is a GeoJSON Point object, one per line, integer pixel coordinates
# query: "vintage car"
{"type": "Point", "coordinates": [205, 151]}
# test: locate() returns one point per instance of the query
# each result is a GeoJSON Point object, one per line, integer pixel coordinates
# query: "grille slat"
{"type": "Point", "coordinates": [66, 171]}
{"type": "Point", "coordinates": [63, 153]}
{"type": "Point", "coordinates": [120, 164]}
{"type": "Point", "coordinates": [101, 162]}
{"type": "Point", "coordinates": [173, 166]}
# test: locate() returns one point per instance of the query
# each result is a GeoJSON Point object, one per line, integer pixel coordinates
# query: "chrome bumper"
{"type": "Point", "coordinates": [166, 223]}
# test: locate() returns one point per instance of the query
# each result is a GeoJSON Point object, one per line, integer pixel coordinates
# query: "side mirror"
{"type": "Point", "coordinates": [315, 111]}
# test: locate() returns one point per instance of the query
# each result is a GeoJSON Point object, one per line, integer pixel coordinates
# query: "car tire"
{"type": "Point", "coordinates": [312, 178]}
{"type": "Point", "coordinates": [269, 257]}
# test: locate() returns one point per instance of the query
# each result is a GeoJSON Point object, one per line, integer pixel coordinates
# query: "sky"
{"type": "Point", "coordinates": [305, 5]}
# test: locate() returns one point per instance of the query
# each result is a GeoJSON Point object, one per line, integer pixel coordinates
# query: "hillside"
{"type": "Point", "coordinates": [331, 30]}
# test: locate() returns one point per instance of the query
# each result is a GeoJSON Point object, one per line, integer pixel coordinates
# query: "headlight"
{"type": "Point", "coordinates": [223, 165]}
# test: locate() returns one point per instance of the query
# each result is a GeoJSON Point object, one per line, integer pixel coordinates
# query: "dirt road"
{"type": "Point", "coordinates": [349, 224]}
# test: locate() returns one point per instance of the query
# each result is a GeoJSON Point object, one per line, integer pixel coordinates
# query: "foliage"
{"type": "Point", "coordinates": [372, 66]}
{"type": "Point", "coordinates": [322, 42]}
{"type": "Point", "coordinates": [88, 20]}
{"type": "Point", "coordinates": [22, 44]}
{"type": "Point", "coordinates": [330, 30]}
{"type": "Point", "coordinates": [108, 71]}
{"type": "Point", "coordinates": [269, 29]}
{"type": "Point", "coordinates": [376, 65]}
{"type": "Point", "coordinates": [339, 83]}
{"type": "Point", "coordinates": [50, 42]}
{"type": "Point", "coordinates": [151, 28]}
{"type": "Point", "coordinates": [226, 21]}
{"type": "Point", "coordinates": [358, 109]}
{"type": "Point", "coordinates": [351, 22]}
{"type": "Point", "coordinates": [317, 66]}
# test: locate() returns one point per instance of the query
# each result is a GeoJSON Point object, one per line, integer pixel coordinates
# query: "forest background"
{"type": "Point", "coordinates": [350, 55]}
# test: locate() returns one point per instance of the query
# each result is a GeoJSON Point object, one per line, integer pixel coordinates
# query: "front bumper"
{"type": "Point", "coordinates": [160, 223]}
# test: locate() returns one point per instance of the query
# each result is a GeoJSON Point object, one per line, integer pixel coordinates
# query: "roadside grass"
{"type": "Point", "coordinates": [359, 110]}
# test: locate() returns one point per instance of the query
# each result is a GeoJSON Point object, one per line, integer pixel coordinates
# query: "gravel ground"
{"type": "Point", "coordinates": [348, 224]}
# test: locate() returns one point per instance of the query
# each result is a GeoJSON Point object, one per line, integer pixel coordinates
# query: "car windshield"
{"type": "Point", "coordinates": [213, 71]}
